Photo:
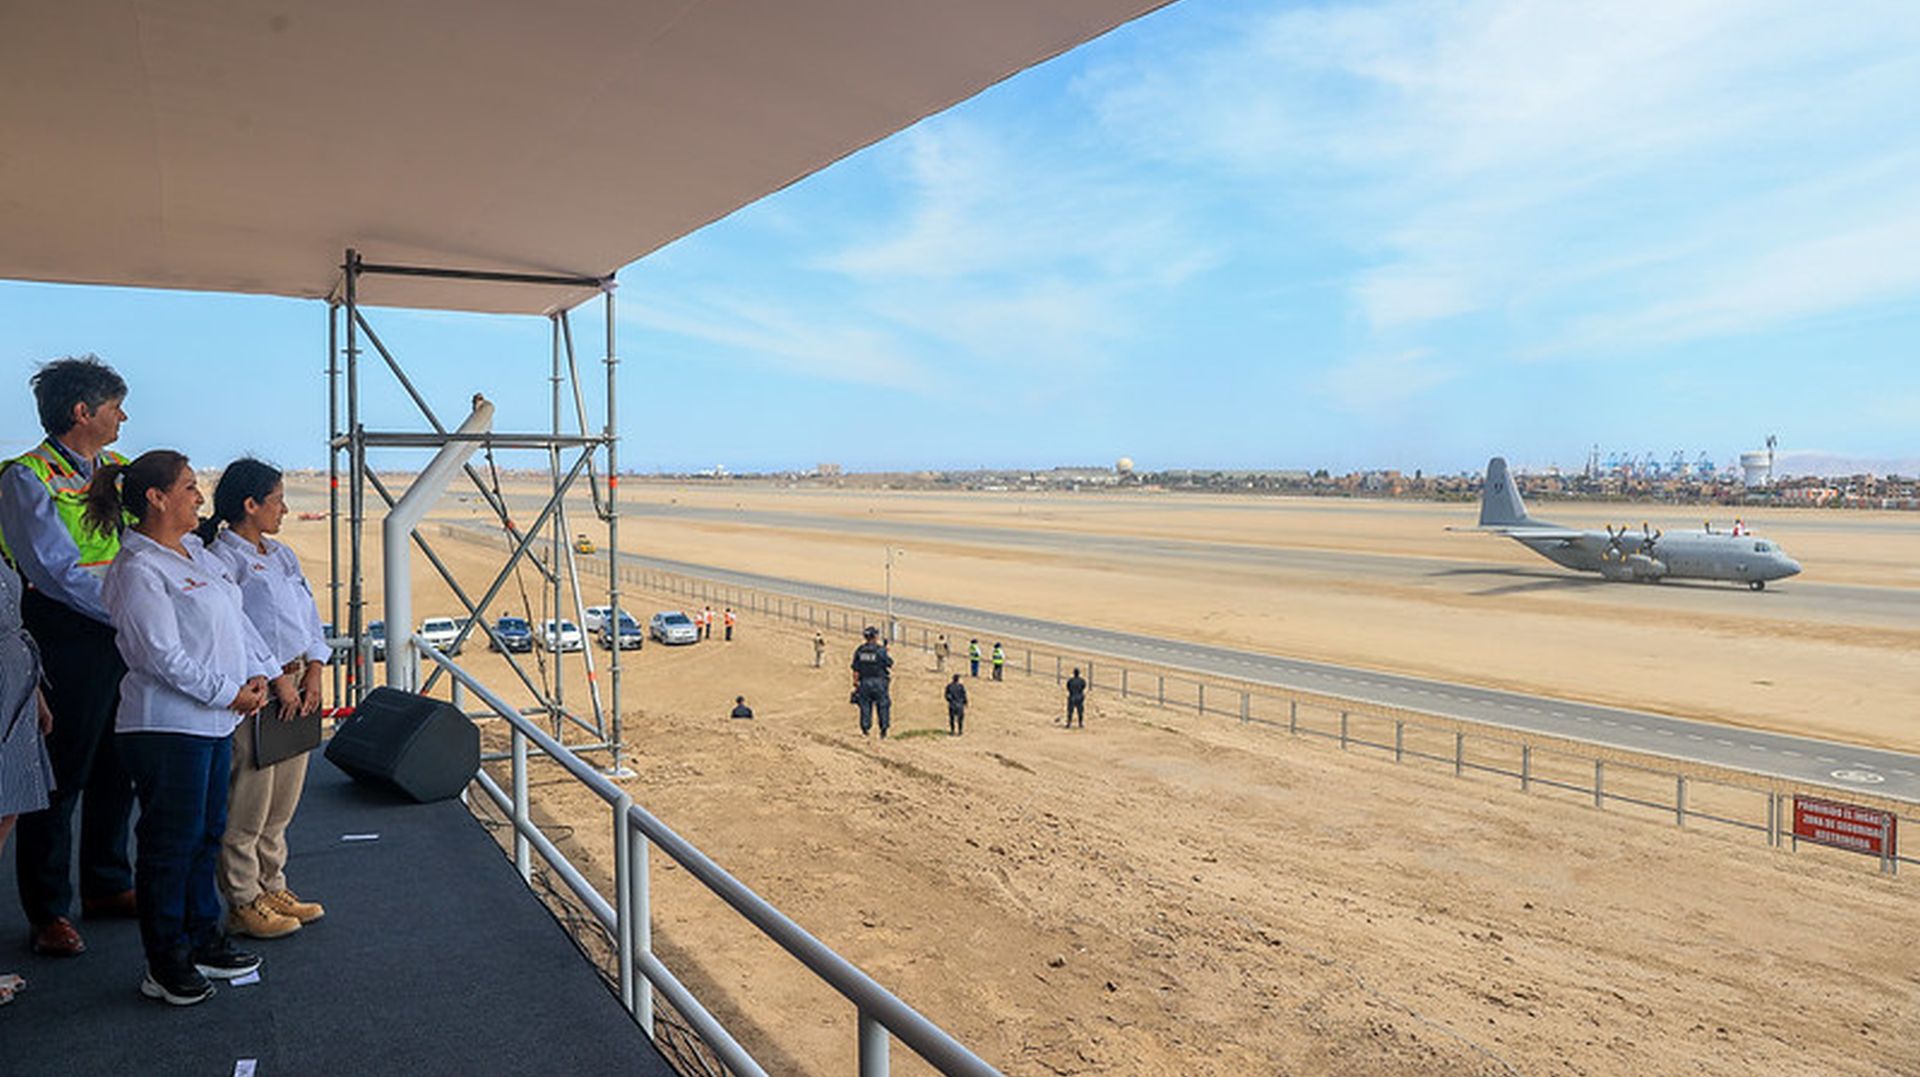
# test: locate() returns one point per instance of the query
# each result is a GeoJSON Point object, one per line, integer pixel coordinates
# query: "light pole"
{"type": "Point", "coordinates": [892, 628]}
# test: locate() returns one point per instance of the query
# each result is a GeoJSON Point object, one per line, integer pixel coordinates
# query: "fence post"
{"type": "Point", "coordinates": [623, 899]}
{"type": "Point", "coordinates": [522, 860]}
{"type": "Point", "coordinates": [1201, 707]}
{"type": "Point", "coordinates": [1123, 682]}
{"type": "Point", "coordinates": [641, 916]}
{"type": "Point", "coordinates": [1246, 707]}
{"type": "Point", "coordinates": [1888, 864]}
{"type": "Point", "coordinates": [873, 1047]}
{"type": "Point", "coordinates": [1459, 752]}
{"type": "Point", "coordinates": [1163, 689]}
{"type": "Point", "coordinates": [1293, 717]}
{"type": "Point", "coordinates": [1056, 669]}
{"type": "Point", "coordinates": [1599, 783]}
{"type": "Point", "coordinates": [1679, 800]}
{"type": "Point", "coordinates": [1399, 740]}
{"type": "Point", "coordinates": [1029, 661]}
{"type": "Point", "coordinates": [1526, 767]}
{"type": "Point", "coordinates": [1343, 731]}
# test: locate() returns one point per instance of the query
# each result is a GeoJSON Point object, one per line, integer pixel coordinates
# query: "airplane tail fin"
{"type": "Point", "coordinates": [1500, 503]}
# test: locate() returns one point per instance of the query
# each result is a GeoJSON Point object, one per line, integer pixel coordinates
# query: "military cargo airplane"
{"type": "Point", "coordinates": [1647, 555]}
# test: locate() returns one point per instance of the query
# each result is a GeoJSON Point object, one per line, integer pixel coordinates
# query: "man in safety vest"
{"type": "Point", "coordinates": [973, 656]}
{"type": "Point", "coordinates": [729, 622]}
{"type": "Point", "coordinates": [999, 661]}
{"type": "Point", "coordinates": [42, 495]}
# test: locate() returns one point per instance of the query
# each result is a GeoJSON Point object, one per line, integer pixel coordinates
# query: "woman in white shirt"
{"type": "Point", "coordinates": [195, 666]}
{"type": "Point", "coordinates": [250, 500]}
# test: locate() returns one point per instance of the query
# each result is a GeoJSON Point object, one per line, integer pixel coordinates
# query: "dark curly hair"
{"type": "Point", "coordinates": [62, 383]}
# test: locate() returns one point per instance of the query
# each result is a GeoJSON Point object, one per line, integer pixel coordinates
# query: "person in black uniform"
{"type": "Point", "coordinates": [872, 667]}
{"type": "Point", "coordinates": [956, 706]}
{"type": "Point", "coordinates": [740, 708]}
{"type": "Point", "coordinates": [1076, 698]}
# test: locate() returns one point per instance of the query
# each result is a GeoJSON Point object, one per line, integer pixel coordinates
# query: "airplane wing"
{"type": "Point", "coordinates": [1524, 531]}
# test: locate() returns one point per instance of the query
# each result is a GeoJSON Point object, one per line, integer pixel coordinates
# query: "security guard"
{"type": "Point", "coordinates": [956, 706]}
{"type": "Point", "coordinates": [872, 668]}
{"type": "Point", "coordinates": [42, 495]}
{"type": "Point", "coordinates": [973, 656]}
{"type": "Point", "coordinates": [1076, 698]}
{"type": "Point", "coordinates": [999, 661]}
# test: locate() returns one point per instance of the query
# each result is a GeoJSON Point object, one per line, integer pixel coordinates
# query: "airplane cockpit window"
{"type": "Point", "coordinates": [1762, 547]}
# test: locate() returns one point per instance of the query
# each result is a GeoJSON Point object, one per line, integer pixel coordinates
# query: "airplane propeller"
{"type": "Point", "coordinates": [1649, 537]}
{"type": "Point", "coordinates": [1616, 549]}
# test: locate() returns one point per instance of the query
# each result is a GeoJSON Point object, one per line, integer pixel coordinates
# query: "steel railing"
{"type": "Point", "coordinates": [882, 1016]}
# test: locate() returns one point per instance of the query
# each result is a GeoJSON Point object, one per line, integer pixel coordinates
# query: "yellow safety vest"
{"type": "Point", "coordinates": [69, 492]}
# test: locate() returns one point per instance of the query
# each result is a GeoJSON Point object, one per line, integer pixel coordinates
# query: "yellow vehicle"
{"type": "Point", "coordinates": [583, 544]}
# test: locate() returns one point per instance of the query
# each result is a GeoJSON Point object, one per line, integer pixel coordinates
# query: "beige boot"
{"type": "Point", "coordinates": [286, 903]}
{"type": "Point", "coordinates": [260, 920]}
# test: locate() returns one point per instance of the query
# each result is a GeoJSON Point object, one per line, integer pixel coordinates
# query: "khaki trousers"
{"type": "Point", "coordinates": [260, 804]}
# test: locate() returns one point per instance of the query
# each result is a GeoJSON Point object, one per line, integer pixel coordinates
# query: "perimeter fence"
{"type": "Point", "coordinates": [1644, 785]}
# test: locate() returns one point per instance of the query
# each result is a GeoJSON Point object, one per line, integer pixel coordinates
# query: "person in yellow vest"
{"type": "Point", "coordinates": [62, 558]}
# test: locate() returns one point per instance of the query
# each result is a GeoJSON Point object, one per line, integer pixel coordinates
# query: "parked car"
{"type": "Point", "coordinates": [631, 637]}
{"type": "Point", "coordinates": [512, 634]}
{"type": "Point", "coordinates": [672, 626]}
{"type": "Point", "coordinates": [377, 640]}
{"type": "Point", "coordinates": [559, 636]}
{"type": "Point", "coordinates": [596, 616]}
{"type": "Point", "coordinates": [441, 632]}
{"type": "Point", "coordinates": [583, 544]}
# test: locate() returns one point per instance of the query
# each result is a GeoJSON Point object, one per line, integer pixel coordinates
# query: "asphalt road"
{"type": "Point", "coordinates": [1882, 772]}
{"type": "Point", "coordinates": [1790, 600]}
{"type": "Point", "coordinates": [1804, 759]}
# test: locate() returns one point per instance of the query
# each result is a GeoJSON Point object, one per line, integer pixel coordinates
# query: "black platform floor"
{"type": "Point", "coordinates": [433, 959]}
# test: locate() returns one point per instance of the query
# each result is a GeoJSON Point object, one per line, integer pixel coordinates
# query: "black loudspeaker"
{"type": "Point", "coordinates": [416, 746]}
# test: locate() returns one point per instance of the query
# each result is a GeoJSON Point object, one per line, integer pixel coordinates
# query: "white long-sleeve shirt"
{"type": "Point", "coordinates": [188, 644]}
{"type": "Point", "coordinates": [275, 594]}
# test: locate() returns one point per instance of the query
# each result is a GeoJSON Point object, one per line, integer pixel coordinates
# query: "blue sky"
{"type": "Point", "coordinates": [1403, 234]}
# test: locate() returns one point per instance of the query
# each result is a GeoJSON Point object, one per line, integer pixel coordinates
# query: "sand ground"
{"type": "Point", "coordinates": [1166, 894]}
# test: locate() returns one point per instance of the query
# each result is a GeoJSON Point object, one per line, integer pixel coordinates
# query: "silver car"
{"type": "Point", "coordinates": [672, 626]}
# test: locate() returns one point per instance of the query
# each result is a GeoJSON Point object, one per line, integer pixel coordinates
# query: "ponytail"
{"type": "Point", "coordinates": [209, 527]}
{"type": "Point", "coordinates": [102, 510]}
{"type": "Point", "coordinates": [118, 492]}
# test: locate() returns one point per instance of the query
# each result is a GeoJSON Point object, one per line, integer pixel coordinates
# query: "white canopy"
{"type": "Point", "coordinates": [242, 146]}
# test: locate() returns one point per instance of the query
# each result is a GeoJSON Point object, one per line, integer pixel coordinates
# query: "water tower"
{"type": "Point", "coordinates": [1758, 466]}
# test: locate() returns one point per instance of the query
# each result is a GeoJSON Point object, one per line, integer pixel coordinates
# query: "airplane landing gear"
{"type": "Point", "coordinates": [1758, 585]}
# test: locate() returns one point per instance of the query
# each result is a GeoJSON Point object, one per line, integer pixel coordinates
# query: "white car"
{"type": "Point", "coordinates": [597, 616]}
{"type": "Point", "coordinates": [441, 632]}
{"type": "Point", "coordinates": [566, 637]}
{"type": "Point", "coordinates": [672, 626]}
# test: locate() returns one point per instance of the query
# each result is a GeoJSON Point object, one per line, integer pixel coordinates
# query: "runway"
{"type": "Point", "coordinates": [1455, 566]}
{"type": "Point", "coordinates": [1801, 759]}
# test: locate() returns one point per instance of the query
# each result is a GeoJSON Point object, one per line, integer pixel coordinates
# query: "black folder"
{"type": "Point", "coordinates": [275, 740]}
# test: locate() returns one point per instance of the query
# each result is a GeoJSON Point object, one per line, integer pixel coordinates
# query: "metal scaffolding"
{"type": "Point", "coordinates": [570, 454]}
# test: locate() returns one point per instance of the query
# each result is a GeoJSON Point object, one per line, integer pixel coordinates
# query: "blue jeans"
{"type": "Point", "coordinates": [181, 781]}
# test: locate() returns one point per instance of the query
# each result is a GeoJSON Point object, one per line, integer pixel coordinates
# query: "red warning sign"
{"type": "Point", "coordinates": [1845, 826]}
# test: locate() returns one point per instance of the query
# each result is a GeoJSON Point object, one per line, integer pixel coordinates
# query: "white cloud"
{"type": "Point", "coordinates": [1630, 166]}
{"type": "Point", "coordinates": [1382, 384]}
{"type": "Point", "coordinates": [800, 343]}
